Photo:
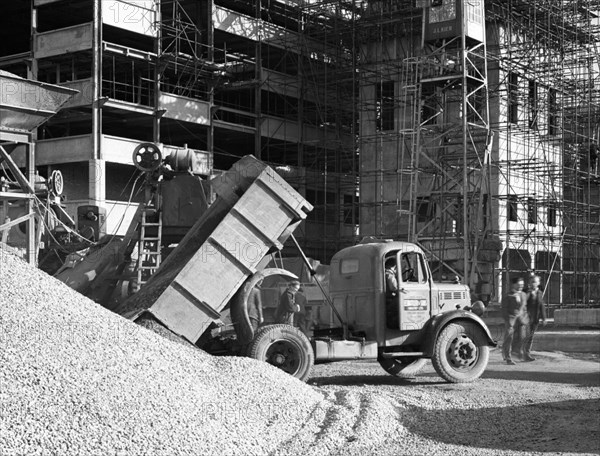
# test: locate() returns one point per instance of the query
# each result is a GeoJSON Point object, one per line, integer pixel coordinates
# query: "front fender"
{"type": "Point", "coordinates": [435, 325]}
{"type": "Point", "coordinates": [239, 303]}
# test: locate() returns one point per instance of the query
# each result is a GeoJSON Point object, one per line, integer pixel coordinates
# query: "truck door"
{"type": "Point", "coordinates": [413, 290]}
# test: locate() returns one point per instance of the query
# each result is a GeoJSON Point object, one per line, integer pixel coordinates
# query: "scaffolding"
{"type": "Point", "coordinates": [469, 128]}
{"type": "Point", "coordinates": [482, 150]}
{"type": "Point", "coordinates": [547, 93]}
{"type": "Point", "coordinates": [279, 82]}
{"type": "Point", "coordinates": [425, 138]}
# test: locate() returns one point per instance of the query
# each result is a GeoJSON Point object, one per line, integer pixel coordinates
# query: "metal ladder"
{"type": "Point", "coordinates": [149, 255]}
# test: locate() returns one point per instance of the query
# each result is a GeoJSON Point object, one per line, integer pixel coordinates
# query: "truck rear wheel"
{"type": "Point", "coordinates": [284, 347]}
{"type": "Point", "coordinates": [461, 352]}
{"type": "Point", "coordinates": [402, 367]}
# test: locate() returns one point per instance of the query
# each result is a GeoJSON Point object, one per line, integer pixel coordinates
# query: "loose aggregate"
{"type": "Point", "coordinates": [548, 407]}
{"type": "Point", "coordinates": [76, 379]}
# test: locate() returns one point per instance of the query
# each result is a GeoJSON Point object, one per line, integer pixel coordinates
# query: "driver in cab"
{"type": "Point", "coordinates": [391, 279]}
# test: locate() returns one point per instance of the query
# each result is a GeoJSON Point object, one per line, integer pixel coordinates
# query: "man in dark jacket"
{"type": "Point", "coordinates": [536, 310]}
{"type": "Point", "coordinates": [255, 310]}
{"type": "Point", "coordinates": [302, 319]}
{"type": "Point", "coordinates": [514, 311]}
{"type": "Point", "coordinates": [287, 304]}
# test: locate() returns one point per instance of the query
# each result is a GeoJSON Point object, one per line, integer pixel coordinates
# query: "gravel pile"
{"type": "Point", "coordinates": [78, 379]}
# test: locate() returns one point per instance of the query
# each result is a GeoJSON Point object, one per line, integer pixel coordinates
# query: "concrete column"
{"type": "Point", "coordinates": [32, 70]}
{"type": "Point", "coordinates": [97, 82]}
{"type": "Point", "coordinates": [97, 166]}
{"type": "Point", "coordinates": [97, 182]}
{"type": "Point", "coordinates": [258, 88]}
{"type": "Point", "coordinates": [157, 76]}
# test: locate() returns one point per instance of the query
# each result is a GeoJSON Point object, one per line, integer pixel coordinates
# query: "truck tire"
{"type": "Point", "coordinates": [402, 367]}
{"type": "Point", "coordinates": [239, 303]}
{"type": "Point", "coordinates": [284, 347]}
{"type": "Point", "coordinates": [461, 352]}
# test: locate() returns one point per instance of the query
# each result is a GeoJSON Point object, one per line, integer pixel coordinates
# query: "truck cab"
{"type": "Point", "coordinates": [361, 291]}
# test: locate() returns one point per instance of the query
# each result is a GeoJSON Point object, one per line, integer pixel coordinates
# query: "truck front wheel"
{"type": "Point", "coordinates": [284, 347]}
{"type": "Point", "coordinates": [402, 367]}
{"type": "Point", "coordinates": [461, 352]}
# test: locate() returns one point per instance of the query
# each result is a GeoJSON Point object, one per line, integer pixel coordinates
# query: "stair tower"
{"type": "Point", "coordinates": [450, 205]}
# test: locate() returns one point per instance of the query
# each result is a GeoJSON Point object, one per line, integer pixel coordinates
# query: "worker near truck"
{"type": "Point", "coordinates": [255, 310]}
{"type": "Point", "coordinates": [514, 311]}
{"type": "Point", "coordinates": [536, 310]}
{"type": "Point", "coordinates": [303, 317]}
{"type": "Point", "coordinates": [287, 304]}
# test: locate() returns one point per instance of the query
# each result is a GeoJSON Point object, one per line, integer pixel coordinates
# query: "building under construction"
{"type": "Point", "coordinates": [468, 127]}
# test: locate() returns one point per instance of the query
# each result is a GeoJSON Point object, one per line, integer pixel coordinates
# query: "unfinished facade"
{"type": "Point", "coordinates": [470, 128]}
{"type": "Point", "coordinates": [221, 79]}
{"type": "Point", "coordinates": [479, 130]}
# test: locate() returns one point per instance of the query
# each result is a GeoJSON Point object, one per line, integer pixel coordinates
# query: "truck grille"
{"type": "Point", "coordinates": [450, 295]}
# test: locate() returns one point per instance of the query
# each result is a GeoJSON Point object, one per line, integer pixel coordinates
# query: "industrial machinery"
{"type": "Point", "coordinates": [174, 196]}
{"type": "Point", "coordinates": [222, 257]}
{"type": "Point", "coordinates": [27, 201]}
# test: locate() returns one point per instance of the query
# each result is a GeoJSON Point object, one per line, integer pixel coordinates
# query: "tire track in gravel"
{"type": "Point", "coordinates": [326, 427]}
{"type": "Point", "coordinates": [494, 417]}
{"type": "Point", "coordinates": [346, 422]}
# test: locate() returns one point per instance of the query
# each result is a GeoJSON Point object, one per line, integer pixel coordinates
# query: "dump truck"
{"type": "Point", "coordinates": [419, 320]}
{"type": "Point", "coordinates": [221, 259]}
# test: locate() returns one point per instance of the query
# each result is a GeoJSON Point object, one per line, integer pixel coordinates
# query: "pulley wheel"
{"type": "Point", "coordinates": [147, 157]}
{"type": "Point", "coordinates": [56, 184]}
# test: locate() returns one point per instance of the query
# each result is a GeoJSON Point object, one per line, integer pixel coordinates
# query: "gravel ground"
{"type": "Point", "coordinates": [76, 379]}
{"type": "Point", "coordinates": [549, 407]}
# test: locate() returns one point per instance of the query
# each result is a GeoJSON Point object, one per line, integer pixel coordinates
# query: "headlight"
{"type": "Point", "coordinates": [478, 308]}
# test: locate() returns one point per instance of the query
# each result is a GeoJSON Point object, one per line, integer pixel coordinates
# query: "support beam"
{"type": "Point", "coordinates": [97, 182]}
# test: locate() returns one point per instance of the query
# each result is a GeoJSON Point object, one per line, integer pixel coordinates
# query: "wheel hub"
{"type": "Point", "coordinates": [462, 352]}
{"type": "Point", "coordinates": [278, 359]}
{"type": "Point", "coordinates": [284, 355]}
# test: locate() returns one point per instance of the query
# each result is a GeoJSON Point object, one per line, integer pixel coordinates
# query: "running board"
{"type": "Point", "coordinates": [338, 350]}
{"type": "Point", "coordinates": [400, 354]}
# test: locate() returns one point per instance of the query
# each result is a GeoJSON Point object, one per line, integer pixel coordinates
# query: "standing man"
{"type": "Point", "coordinates": [301, 319]}
{"type": "Point", "coordinates": [536, 309]}
{"type": "Point", "coordinates": [287, 304]}
{"type": "Point", "coordinates": [514, 311]}
{"type": "Point", "coordinates": [255, 310]}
